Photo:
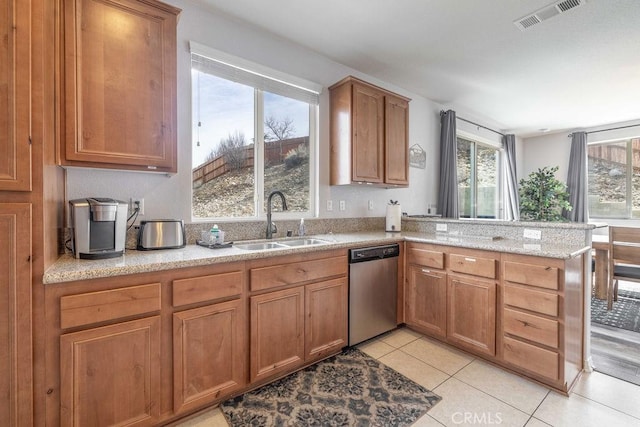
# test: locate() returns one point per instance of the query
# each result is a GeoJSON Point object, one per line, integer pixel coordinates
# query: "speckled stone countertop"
{"type": "Point", "coordinates": [68, 269]}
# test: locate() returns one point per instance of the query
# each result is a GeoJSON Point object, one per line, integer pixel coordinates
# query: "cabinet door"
{"type": "Point", "coordinates": [120, 84]}
{"type": "Point", "coordinates": [471, 316]}
{"type": "Point", "coordinates": [111, 375]}
{"type": "Point", "coordinates": [396, 141]}
{"type": "Point", "coordinates": [277, 332]}
{"type": "Point", "coordinates": [326, 308]}
{"type": "Point", "coordinates": [368, 134]}
{"type": "Point", "coordinates": [209, 353]}
{"type": "Point", "coordinates": [15, 95]}
{"type": "Point", "coordinates": [427, 300]}
{"type": "Point", "coordinates": [16, 405]}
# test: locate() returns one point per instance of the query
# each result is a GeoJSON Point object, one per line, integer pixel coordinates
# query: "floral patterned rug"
{"type": "Point", "coordinates": [349, 389]}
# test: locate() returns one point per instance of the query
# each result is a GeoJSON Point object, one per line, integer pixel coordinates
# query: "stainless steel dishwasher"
{"type": "Point", "coordinates": [373, 285]}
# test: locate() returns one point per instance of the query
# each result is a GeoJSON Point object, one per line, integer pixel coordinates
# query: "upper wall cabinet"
{"type": "Point", "coordinates": [15, 95]}
{"type": "Point", "coordinates": [369, 135]}
{"type": "Point", "coordinates": [119, 87]}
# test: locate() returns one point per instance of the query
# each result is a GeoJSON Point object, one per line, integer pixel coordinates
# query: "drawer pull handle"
{"type": "Point", "coordinates": [424, 270]}
{"type": "Point", "coordinates": [470, 259]}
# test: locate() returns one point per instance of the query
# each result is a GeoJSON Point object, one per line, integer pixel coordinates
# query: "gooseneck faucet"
{"type": "Point", "coordinates": [271, 227]}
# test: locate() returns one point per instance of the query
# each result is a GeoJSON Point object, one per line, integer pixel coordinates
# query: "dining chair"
{"type": "Point", "coordinates": [624, 259]}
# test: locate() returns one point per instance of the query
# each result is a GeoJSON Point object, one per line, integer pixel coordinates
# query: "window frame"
{"type": "Point", "coordinates": [500, 173]}
{"type": "Point", "coordinates": [277, 78]}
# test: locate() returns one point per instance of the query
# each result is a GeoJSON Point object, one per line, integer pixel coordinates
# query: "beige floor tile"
{"type": "Point", "coordinates": [560, 411]}
{"type": "Point", "coordinates": [438, 355]}
{"type": "Point", "coordinates": [376, 348]}
{"type": "Point", "coordinates": [534, 422]}
{"type": "Point", "coordinates": [610, 391]}
{"type": "Point", "coordinates": [400, 337]}
{"type": "Point", "coordinates": [210, 418]}
{"type": "Point", "coordinates": [463, 405]}
{"type": "Point", "coordinates": [414, 369]}
{"type": "Point", "coordinates": [512, 389]}
{"type": "Point", "coordinates": [426, 421]}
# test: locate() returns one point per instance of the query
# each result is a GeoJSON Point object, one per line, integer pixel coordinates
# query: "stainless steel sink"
{"type": "Point", "coordinates": [258, 246]}
{"type": "Point", "coordinates": [281, 244]}
{"type": "Point", "coordinates": [303, 242]}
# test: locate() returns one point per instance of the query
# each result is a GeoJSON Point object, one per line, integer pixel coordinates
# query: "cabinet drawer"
{"type": "Point", "coordinates": [530, 327]}
{"type": "Point", "coordinates": [426, 257]}
{"type": "Point", "coordinates": [287, 274]}
{"type": "Point", "coordinates": [477, 266]}
{"type": "Point", "coordinates": [207, 288]}
{"type": "Point", "coordinates": [531, 299]}
{"type": "Point", "coordinates": [531, 358]}
{"type": "Point", "coordinates": [94, 307]}
{"type": "Point", "coordinates": [531, 274]}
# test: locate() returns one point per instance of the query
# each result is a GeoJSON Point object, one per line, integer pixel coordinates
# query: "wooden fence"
{"type": "Point", "coordinates": [616, 153]}
{"type": "Point", "coordinates": [274, 153]}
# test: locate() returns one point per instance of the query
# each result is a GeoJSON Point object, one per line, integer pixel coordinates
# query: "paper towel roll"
{"type": "Point", "coordinates": [394, 218]}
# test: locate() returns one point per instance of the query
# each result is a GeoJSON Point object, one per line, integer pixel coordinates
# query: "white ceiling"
{"type": "Point", "coordinates": [576, 70]}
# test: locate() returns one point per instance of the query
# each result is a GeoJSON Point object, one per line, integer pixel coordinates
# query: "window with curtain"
{"type": "Point", "coordinates": [252, 134]}
{"type": "Point", "coordinates": [478, 179]}
{"type": "Point", "coordinates": [614, 179]}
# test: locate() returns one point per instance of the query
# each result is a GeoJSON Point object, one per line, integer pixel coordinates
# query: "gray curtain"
{"type": "Point", "coordinates": [512, 211]}
{"type": "Point", "coordinates": [577, 178]}
{"type": "Point", "coordinates": [448, 190]}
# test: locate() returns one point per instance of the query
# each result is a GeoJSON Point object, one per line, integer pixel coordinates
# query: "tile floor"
{"type": "Point", "coordinates": [477, 393]}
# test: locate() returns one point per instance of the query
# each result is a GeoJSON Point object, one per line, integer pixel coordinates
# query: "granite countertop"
{"type": "Point", "coordinates": [68, 268]}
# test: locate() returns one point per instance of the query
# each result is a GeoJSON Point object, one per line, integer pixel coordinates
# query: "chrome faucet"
{"type": "Point", "coordinates": [271, 227]}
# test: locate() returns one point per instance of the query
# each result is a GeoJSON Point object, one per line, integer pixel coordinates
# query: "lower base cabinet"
{"type": "Point", "coordinates": [427, 294]}
{"type": "Point", "coordinates": [471, 313]}
{"type": "Point", "coordinates": [208, 354]}
{"type": "Point", "coordinates": [298, 325]}
{"type": "Point", "coordinates": [111, 375]}
{"type": "Point", "coordinates": [277, 332]}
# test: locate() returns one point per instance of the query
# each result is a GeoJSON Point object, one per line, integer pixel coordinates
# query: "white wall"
{"type": "Point", "coordinates": [170, 196]}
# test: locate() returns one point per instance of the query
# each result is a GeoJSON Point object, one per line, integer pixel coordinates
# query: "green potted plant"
{"type": "Point", "coordinates": [543, 197]}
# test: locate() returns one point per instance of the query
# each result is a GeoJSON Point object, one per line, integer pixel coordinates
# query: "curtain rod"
{"type": "Point", "coordinates": [475, 124]}
{"type": "Point", "coordinates": [605, 130]}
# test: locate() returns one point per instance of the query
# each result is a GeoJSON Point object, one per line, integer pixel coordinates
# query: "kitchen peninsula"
{"type": "Point", "coordinates": [209, 324]}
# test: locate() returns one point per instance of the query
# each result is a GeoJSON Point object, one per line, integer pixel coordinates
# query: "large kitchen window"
{"type": "Point", "coordinates": [614, 179]}
{"type": "Point", "coordinates": [479, 171]}
{"type": "Point", "coordinates": [254, 131]}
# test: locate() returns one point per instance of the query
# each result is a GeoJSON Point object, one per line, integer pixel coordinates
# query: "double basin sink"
{"type": "Point", "coordinates": [282, 244]}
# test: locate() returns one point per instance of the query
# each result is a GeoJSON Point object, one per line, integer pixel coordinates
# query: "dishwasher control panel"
{"type": "Point", "coordinates": [375, 252]}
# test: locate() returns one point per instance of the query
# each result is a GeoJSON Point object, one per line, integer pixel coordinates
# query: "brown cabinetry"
{"type": "Point", "coordinates": [471, 313]}
{"type": "Point", "coordinates": [119, 88]}
{"type": "Point", "coordinates": [542, 318]}
{"type": "Point", "coordinates": [15, 96]}
{"type": "Point", "coordinates": [209, 353]}
{"type": "Point", "coordinates": [111, 375]}
{"type": "Point", "coordinates": [369, 135]}
{"type": "Point", "coordinates": [426, 290]}
{"type": "Point", "coordinates": [303, 315]}
{"type": "Point", "coordinates": [15, 319]}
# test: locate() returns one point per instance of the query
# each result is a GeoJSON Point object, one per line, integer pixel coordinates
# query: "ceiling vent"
{"type": "Point", "coordinates": [546, 13]}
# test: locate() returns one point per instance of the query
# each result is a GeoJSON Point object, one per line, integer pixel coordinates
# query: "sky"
{"type": "Point", "coordinates": [223, 107]}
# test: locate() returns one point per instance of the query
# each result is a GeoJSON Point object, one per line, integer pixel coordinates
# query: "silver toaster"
{"type": "Point", "coordinates": [161, 234]}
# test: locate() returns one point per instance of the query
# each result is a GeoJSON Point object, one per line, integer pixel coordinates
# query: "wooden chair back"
{"type": "Point", "coordinates": [624, 259]}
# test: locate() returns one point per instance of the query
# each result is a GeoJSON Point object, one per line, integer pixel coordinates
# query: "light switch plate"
{"type": "Point", "coordinates": [370, 205]}
{"type": "Point", "coordinates": [343, 205]}
{"type": "Point", "coordinates": [329, 205]}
